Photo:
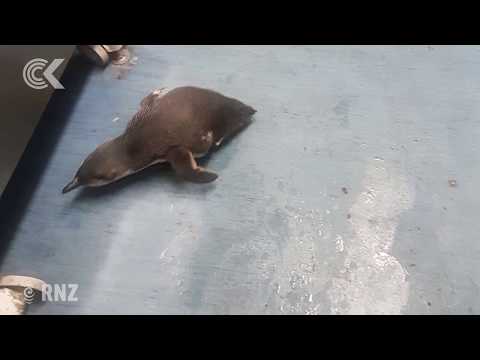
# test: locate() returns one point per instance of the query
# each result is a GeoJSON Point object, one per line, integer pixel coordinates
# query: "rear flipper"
{"type": "Point", "coordinates": [185, 166]}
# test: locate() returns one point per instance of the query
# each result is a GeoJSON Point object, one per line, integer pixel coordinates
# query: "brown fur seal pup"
{"type": "Point", "coordinates": [177, 127]}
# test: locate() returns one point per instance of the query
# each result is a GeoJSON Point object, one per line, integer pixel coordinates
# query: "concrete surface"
{"type": "Point", "coordinates": [354, 192]}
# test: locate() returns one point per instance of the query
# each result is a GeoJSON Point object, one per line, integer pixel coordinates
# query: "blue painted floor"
{"type": "Point", "coordinates": [353, 192]}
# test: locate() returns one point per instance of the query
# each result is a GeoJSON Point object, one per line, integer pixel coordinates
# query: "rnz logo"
{"type": "Point", "coordinates": [53, 293]}
{"type": "Point", "coordinates": [59, 292]}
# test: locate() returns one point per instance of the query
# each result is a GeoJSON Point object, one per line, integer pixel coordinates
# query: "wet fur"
{"type": "Point", "coordinates": [190, 118]}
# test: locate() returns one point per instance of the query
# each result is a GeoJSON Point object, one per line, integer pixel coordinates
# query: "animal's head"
{"type": "Point", "coordinates": [103, 166]}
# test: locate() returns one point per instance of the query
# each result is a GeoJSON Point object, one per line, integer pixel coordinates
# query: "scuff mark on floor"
{"type": "Point", "coordinates": [372, 281]}
{"type": "Point", "coordinates": [299, 281]}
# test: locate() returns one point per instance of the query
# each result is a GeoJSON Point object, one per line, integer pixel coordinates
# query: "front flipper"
{"type": "Point", "coordinates": [185, 166]}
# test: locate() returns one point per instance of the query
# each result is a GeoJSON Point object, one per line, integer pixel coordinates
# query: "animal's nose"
{"type": "Point", "coordinates": [71, 185]}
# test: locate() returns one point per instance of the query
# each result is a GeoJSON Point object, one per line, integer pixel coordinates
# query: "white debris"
{"type": "Point", "coordinates": [162, 255]}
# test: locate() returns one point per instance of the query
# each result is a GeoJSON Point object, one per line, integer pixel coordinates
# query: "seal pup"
{"type": "Point", "coordinates": [177, 127]}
